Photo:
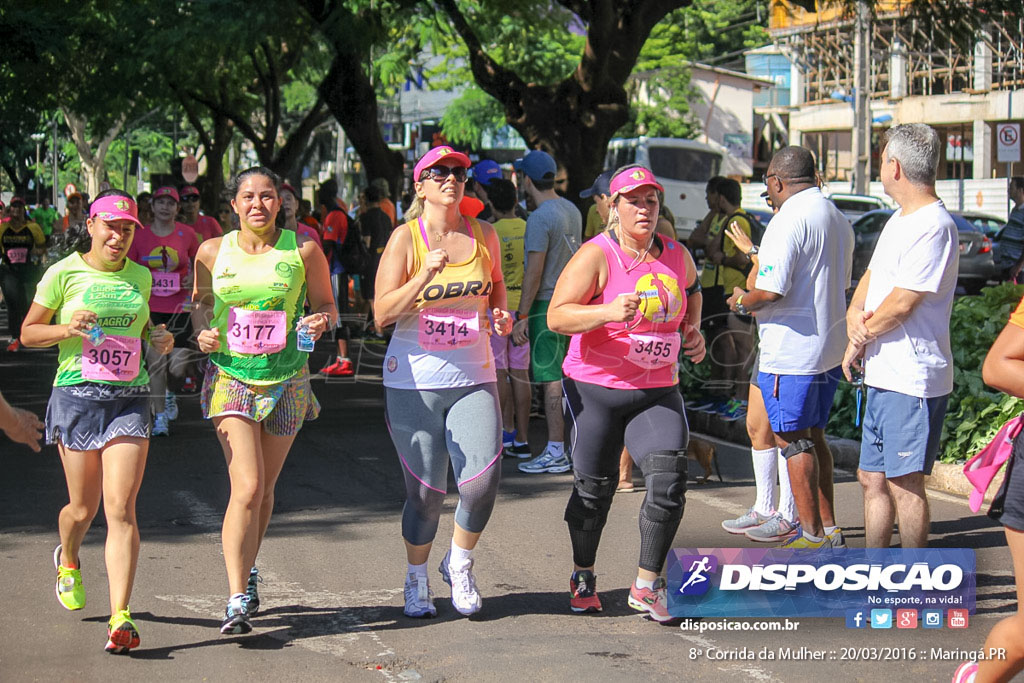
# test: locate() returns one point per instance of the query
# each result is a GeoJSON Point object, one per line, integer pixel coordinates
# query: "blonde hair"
{"type": "Point", "coordinates": [415, 209]}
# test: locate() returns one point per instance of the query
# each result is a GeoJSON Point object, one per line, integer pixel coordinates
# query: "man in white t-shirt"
{"type": "Point", "coordinates": [799, 298]}
{"type": "Point", "coordinates": [898, 324]}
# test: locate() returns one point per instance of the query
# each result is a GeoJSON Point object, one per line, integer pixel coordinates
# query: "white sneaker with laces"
{"type": "Point", "coordinates": [171, 405]}
{"type": "Point", "coordinates": [465, 597]}
{"type": "Point", "coordinates": [778, 528]}
{"type": "Point", "coordinates": [161, 425]}
{"type": "Point", "coordinates": [419, 599]}
{"type": "Point", "coordinates": [548, 461]}
{"type": "Point", "coordinates": [741, 524]}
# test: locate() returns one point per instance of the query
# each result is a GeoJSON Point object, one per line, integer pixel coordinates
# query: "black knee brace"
{"type": "Point", "coordinates": [590, 501]}
{"type": "Point", "coordinates": [665, 475]}
{"type": "Point", "coordinates": [797, 447]}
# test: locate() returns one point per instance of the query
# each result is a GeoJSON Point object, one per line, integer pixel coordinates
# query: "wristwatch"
{"type": "Point", "coordinates": [753, 250]}
{"type": "Point", "coordinates": [740, 308]}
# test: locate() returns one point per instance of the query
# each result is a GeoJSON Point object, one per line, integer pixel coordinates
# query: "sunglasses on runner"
{"type": "Point", "coordinates": [441, 173]}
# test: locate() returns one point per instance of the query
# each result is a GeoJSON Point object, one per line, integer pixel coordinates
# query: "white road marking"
{"type": "Point", "coordinates": [714, 501]}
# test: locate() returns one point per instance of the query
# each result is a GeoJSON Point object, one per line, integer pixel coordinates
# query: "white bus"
{"type": "Point", "coordinates": [682, 166]}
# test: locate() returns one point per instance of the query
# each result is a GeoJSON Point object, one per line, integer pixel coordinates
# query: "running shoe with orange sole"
{"type": "Point", "coordinates": [583, 587]}
{"type": "Point", "coordinates": [122, 635]}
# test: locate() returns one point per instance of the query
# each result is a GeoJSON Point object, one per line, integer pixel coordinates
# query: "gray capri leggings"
{"type": "Point", "coordinates": [429, 427]}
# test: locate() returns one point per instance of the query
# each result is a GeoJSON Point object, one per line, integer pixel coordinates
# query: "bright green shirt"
{"type": "Point", "coordinates": [120, 300]}
{"type": "Point", "coordinates": [45, 217]}
{"type": "Point", "coordinates": [272, 281]}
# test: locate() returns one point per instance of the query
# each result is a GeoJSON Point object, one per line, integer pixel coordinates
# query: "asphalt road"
{"type": "Point", "coordinates": [333, 564]}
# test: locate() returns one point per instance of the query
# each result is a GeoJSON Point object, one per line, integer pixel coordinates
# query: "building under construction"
{"type": "Point", "coordinates": [858, 70]}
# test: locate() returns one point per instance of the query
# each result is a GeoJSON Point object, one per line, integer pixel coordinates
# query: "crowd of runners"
{"type": "Point", "coordinates": [481, 299]}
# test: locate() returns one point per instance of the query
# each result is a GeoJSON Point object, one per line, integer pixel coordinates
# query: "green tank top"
{"type": "Point", "coordinates": [272, 281]}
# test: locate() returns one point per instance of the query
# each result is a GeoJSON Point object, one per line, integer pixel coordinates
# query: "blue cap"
{"type": "Point", "coordinates": [486, 171]}
{"type": "Point", "coordinates": [538, 165]}
{"type": "Point", "coordinates": [601, 185]}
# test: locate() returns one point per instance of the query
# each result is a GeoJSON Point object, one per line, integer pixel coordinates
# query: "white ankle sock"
{"type": "Point", "coordinates": [418, 569]}
{"type": "Point", "coordinates": [460, 558]}
{"type": "Point", "coordinates": [556, 447]}
{"type": "Point", "coordinates": [765, 466]}
{"type": "Point", "coordinates": [830, 530]}
{"type": "Point", "coordinates": [815, 539]}
{"type": "Point", "coordinates": [787, 505]}
{"type": "Point", "coordinates": [644, 583]}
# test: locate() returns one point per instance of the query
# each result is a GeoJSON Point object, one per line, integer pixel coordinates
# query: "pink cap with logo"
{"type": "Point", "coordinates": [114, 208]}
{"type": "Point", "coordinates": [189, 191]}
{"type": "Point", "coordinates": [436, 156]}
{"type": "Point", "coordinates": [632, 178]}
{"type": "Point", "coordinates": [166, 191]}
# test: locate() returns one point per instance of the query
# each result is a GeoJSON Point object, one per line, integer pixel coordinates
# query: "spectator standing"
{"type": "Point", "coordinates": [336, 225]}
{"type": "Point", "coordinates": [205, 226]}
{"type": "Point", "coordinates": [375, 228]}
{"type": "Point", "coordinates": [898, 322]}
{"type": "Point", "coordinates": [386, 205]}
{"type": "Point", "coordinates": [553, 233]}
{"type": "Point", "coordinates": [597, 214]}
{"type": "Point", "coordinates": [45, 215]}
{"type": "Point", "coordinates": [806, 260]}
{"type": "Point", "coordinates": [1010, 253]}
{"type": "Point", "coordinates": [75, 215]}
{"type": "Point", "coordinates": [21, 247]}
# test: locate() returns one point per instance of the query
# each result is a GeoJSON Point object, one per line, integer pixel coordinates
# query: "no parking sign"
{"type": "Point", "coordinates": [1008, 142]}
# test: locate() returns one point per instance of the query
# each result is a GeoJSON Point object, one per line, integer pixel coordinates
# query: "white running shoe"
{"type": "Point", "coordinates": [171, 405]}
{"type": "Point", "coordinates": [465, 597]}
{"type": "Point", "coordinates": [547, 461]}
{"type": "Point", "coordinates": [161, 425]}
{"type": "Point", "coordinates": [778, 528]}
{"type": "Point", "coordinates": [419, 599]}
{"type": "Point", "coordinates": [741, 524]}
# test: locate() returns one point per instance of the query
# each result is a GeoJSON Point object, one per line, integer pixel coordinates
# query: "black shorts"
{"type": "Point", "coordinates": [179, 324]}
{"type": "Point", "coordinates": [1008, 505]}
{"type": "Point", "coordinates": [602, 420]}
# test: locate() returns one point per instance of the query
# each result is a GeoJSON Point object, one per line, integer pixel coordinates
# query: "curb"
{"type": "Point", "coordinates": [945, 478]}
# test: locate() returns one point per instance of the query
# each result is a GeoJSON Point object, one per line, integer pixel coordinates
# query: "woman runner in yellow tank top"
{"type": "Point", "coordinates": [249, 289]}
{"type": "Point", "coordinates": [439, 276]}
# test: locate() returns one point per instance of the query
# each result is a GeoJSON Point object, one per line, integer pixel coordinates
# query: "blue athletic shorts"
{"type": "Point", "coordinates": [901, 432]}
{"type": "Point", "coordinates": [797, 402]}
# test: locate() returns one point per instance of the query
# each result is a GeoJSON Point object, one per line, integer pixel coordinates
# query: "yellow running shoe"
{"type": "Point", "coordinates": [801, 542]}
{"type": "Point", "coordinates": [70, 590]}
{"type": "Point", "coordinates": [121, 633]}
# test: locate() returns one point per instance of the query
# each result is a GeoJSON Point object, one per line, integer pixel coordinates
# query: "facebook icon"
{"type": "Point", "coordinates": [856, 618]}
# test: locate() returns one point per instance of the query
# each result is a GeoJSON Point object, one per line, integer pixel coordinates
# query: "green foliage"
{"type": "Point", "coordinates": [975, 412]}
{"type": "Point", "coordinates": [471, 115]}
{"type": "Point", "coordinates": [666, 111]}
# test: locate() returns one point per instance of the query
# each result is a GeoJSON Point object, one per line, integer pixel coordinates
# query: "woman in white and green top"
{"type": "Point", "coordinates": [250, 288]}
{"type": "Point", "coordinates": [98, 414]}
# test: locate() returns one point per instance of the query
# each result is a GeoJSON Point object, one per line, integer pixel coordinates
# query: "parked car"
{"type": "Point", "coordinates": [763, 215]}
{"type": "Point", "coordinates": [989, 225]}
{"type": "Point", "coordinates": [853, 206]}
{"type": "Point", "coordinates": [977, 266]}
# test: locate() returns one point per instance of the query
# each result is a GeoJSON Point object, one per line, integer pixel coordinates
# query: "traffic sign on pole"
{"type": "Point", "coordinates": [1008, 142]}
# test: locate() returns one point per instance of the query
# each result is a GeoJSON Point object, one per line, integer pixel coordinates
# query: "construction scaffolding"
{"type": "Point", "coordinates": [909, 57]}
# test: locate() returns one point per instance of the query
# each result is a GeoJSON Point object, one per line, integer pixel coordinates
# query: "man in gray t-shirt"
{"type": "Point", "coordinates": [553, 233]}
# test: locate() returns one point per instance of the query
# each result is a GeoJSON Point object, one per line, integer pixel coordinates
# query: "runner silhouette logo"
{"type": "Point", "coordinates": [697, 577]}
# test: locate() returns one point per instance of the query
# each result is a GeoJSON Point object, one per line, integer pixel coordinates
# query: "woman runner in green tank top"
{"type": "Point", "coordinates": [249, 293]}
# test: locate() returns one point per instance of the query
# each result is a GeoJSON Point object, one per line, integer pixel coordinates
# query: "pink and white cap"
{"type": "Point", "coordinates": [632, 178]}
{"type": "Point", "coordinates": [114, 208]}
{"type": "Point", "coordinates": [436, 156]}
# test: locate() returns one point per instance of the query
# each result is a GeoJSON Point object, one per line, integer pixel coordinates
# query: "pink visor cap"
{"type": "Point", "coordinates": [113, 208]}
{"type": "Point", "coordinates": [632, 178]}
{"type": "Point", "coordinates": [166, 191]}
{"type": "Point", "coordinates": [983, 467]}
{"type": "Point", "coordinates": [435, 156]}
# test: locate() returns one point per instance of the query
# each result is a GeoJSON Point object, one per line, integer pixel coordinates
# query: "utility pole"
{"type": "Point", "coordinates": [861, 140]}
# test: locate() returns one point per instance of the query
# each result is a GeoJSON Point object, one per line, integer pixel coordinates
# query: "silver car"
{"type": "Point", "coordinates": [977, 266]}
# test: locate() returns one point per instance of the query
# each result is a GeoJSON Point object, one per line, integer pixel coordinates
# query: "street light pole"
{"type": "Point", "coordinates": [861, 141]}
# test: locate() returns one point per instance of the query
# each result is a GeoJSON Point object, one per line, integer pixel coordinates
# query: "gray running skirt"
{"type": "Point", "coordinates": [85, 417]}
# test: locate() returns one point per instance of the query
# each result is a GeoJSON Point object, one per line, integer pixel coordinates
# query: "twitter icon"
{"type": "Point", "coordinates": [881, 618]}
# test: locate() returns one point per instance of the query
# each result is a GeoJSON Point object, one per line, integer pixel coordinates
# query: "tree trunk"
{"type": "Point", "coordinates": [93, 162]}
{"type": "Point", "coordinates": [573, 120]}
{"type": "Point", "coordinates": [350, 96]}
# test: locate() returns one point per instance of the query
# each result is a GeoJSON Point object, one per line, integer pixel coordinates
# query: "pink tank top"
{"type": "Point", "coordinates": [643, 353]}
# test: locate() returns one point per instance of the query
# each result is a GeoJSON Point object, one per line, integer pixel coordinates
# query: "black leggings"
{"type": "Point", "coordinates": [651, 423]}
{"type": "Point", "coordinates": [19, 286]}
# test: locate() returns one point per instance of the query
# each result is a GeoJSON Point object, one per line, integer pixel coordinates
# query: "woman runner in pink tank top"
{"type": "Point", "coordinates": [631, 301]}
